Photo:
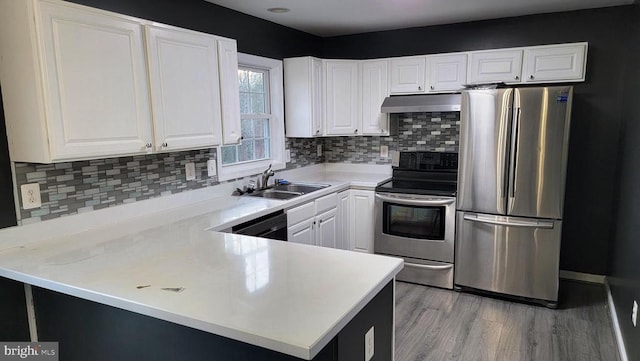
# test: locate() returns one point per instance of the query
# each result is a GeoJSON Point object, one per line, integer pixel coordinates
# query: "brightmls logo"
{"type": "Point", "coordinates": [29, 351]}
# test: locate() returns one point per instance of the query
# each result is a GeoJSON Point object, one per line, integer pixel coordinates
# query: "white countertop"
{"type": "Point", "coordinates": [287, 297]}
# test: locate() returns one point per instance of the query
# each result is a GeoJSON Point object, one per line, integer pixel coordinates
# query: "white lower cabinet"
{"type": "Point", "coordinates": [362, 220]}
{"type": "Point", "coordinates": [302, 232]}
{"type": "Point", "coordinates": [344, 223]}
{"type": "Point", "coordinates": [315, 222]}
{"type": "Point", "coordinates": [327, 229]}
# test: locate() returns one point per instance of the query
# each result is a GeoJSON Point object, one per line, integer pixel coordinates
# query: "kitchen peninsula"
{"type": "Point", "coordinates": [162, 286]}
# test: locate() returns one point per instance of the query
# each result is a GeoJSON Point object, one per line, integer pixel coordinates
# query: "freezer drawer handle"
{"type": "Point", "coordinates": [426, 266]}
{"type": "Point", "coordinates": [536, 224]}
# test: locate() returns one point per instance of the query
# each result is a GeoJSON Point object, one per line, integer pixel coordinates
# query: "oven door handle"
{"type": "Point", "coordinates": [416, 201]}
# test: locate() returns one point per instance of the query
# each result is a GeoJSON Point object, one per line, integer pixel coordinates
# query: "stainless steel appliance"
{"type": "Point", "coordinates": [513, 155]}
{"type": "Point", "coordinates": [415, 216]}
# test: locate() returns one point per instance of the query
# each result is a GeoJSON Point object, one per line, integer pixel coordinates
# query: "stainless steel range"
{"type": "Point", "coordinates": [415, 216]}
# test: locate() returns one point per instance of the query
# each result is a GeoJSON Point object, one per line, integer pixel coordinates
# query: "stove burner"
{"type": "Point", "coordinates": [426, 173]}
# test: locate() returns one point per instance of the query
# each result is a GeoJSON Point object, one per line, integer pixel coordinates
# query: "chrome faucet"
{"type": "Point", "coordinates": [265, 177]}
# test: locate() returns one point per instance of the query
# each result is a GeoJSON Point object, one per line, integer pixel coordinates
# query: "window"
{"type": "Point", "coordinates": [255, 115]}
{"type": "Point", "coordinates": [262, 124]}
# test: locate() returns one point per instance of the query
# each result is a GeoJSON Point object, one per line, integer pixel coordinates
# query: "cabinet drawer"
{"type": "Point", "coordinates": [300, 213]}
{"type": "Point", "coordinates": [327, 202]}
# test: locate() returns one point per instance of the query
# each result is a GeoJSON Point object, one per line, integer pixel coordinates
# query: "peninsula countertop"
{"type": "Point", "coordinates": [286, 297]}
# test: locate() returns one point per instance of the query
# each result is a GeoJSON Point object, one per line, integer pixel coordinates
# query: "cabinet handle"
{"type": "Point", "coordinates": [164, 145]}
{"type": "Point", "coordinates": [317, 131]}
{"type": "Point", "coordinates": [432, 88]}
{"type": "Point", "coordinates": [148, 145]}
{"type": "Point", "coordinates": [356, 131]}
{"type": "Point", "coordinates": [517, 77]}
{"type": "Point", "coordinates": [531, 77]}
{"type": "Point", "coordinates": [419, 87]}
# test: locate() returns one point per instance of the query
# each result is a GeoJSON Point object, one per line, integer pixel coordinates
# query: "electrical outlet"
{"type": "Point", "coordinates": [190, 171]}
{"type": "Point", "coordinates": [368, 345]}
{"type": "Point", "coordinates": [634, 313]}
{"type": "Point", "coordinates": [30, 195]}
{"type": "Point", "coordinates": [384, 151]}
{"type": "Point", "coordinates": [211, 168]}
{"type": "Point", "coordinates": [287, 156]}
{"type": "Point", "coordinates": [319, 150]}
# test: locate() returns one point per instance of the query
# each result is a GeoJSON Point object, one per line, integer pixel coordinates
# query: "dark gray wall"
{"type": "Point", "coordinates": [7, 209]}
{"type": "Point", "coordinates": [596, 109]}
{"type": "Point", "coordinates": [624, 274]}
{"type": "Point", "coordinates": [254, 35]}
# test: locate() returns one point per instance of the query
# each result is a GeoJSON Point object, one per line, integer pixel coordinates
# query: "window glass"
{"type": "Point", "coordinates": [255, 114]}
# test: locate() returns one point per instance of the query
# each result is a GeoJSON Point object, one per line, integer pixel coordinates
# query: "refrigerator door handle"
{"type": "Point", "coordinates": [513, 170]}
{"type": "Point", "coordinates": [518, 223]}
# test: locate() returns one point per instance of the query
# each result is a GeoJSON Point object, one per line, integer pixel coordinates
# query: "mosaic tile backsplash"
{"type": "Point", "coordinates": [416, 131]}
{"type": "Point", "coordinates": [75, 187]}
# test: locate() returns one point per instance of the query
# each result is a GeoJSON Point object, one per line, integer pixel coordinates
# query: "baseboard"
{"type": "Point", "coordinates": [582, 277]}
{"type": "Point", "coordinates": [616, 326]}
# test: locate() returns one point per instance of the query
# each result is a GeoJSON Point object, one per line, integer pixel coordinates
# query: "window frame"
{"type": "Point", "coordinates": [276, 122]}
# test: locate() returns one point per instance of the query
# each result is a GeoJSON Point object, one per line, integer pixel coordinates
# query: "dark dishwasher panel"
{"type": "Point", "coordinates": [272, 226]}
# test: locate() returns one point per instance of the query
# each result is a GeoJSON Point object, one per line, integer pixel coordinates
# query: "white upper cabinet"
{"type": "Point", "coordinates": [374, 89]}
{"type": "Point", "coordinates": [493, 66]}
{"type": "Point", "coordinates": [447, 72]}
{"type": "Point", "coordinates": [230, 92]}
{"type": "Point", "coordinates": [555, 63]}
{"type": "Point", "coordinates": [342, 100]}
{"type": "Point", "coordinates": [183, 68]}
{"type": "Point", "coordinates": [408, 75]}
{"type": "Point", "coordinates": [83, 83]}
{"type": "Point", "coordinates": [95, 79]}
{"type": "Point", "coordinates": [304, 89]}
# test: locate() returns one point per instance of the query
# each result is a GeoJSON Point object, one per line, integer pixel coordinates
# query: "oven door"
{"type": "Point", "coordinates": [416, 226]}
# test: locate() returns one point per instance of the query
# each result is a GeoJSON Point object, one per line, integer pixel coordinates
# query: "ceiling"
{"type": "Point", "coordinates": [340, 17]}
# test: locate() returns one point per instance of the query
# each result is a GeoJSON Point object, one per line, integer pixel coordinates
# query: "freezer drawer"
{"type": "Point", "coordinates": [509, 255]}
{"type": "Point", "coordinates": [430, 273]}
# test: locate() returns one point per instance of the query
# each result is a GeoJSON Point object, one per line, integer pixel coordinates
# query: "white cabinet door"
{"type": "Point", "coordinates": [183, 68]}
{"type": "Point", "coordinates": [493, 66]}
{"type": "Point", "coordinates": [447, 72]}
{"type": "Point", "coordinates": [327, 229]}
{"type": "Point", "coordinates": [374, 88]}
{"type": "Point", "coordinates": [342, 101]}
{"type": "Point", "coordinates": [362, 220]}
{"type": "Point", "coordinates": [97, 101]}
{"type": "Point", "coordinates": [229, 91]}
{"type": "Point", "coordinates": [555, 63]}
{"type": "Point", "coordinates": [344, 224]}
{"type": "Point", "coordinates": [303, 89]}
{"type": "Point", "coordinates": [408, 75]}
{"type": "Point", "coordinates": [302, 232]}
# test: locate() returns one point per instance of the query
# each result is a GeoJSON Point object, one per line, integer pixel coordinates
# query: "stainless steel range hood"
{"type": "Point", "coordinates": [421, 103]}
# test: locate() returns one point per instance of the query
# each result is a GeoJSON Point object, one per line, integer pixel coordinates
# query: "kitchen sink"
{"type": "Point", "coordinates": [303, 188]}
{"type": "Point", "coordinates": [275, 194]}
{"type": "Point", "coordinates": [288, 191]}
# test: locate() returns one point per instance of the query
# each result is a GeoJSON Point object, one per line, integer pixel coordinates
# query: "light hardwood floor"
{"type": "Point", "coordinates": [436, 324]}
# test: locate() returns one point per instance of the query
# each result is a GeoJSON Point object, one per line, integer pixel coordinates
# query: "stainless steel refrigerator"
{"type": "Point", "coordinates": [511, 182]}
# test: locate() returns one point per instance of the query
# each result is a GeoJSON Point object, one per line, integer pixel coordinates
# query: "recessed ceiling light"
{"type": "Point", "coordinates": [278, 10]}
